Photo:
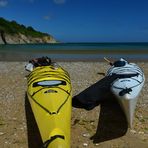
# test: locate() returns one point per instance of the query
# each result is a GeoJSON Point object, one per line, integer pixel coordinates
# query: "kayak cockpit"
{"type": "Point", "coordinates": [48, 83]}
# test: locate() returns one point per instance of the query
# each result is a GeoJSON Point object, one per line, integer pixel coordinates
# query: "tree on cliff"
{"type": "Point", "coordinates": [12, 27]}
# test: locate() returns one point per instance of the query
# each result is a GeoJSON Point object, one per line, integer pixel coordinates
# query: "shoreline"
{"type": "Point", "coordinates": [25, 57]}
{"type": "Point", "coordinates": [72, 53]}
{"type": "Point", "coordinates": [78, 59]}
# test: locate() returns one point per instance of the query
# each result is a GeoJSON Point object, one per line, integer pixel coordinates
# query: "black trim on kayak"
{"type": "Point", "coordinates": [51, 113]}
{"type": "Point", "coordinates": [49, 74]}
{"type": "Point", "coordinates": [41, 106]}
{"type": "Point", "coordinates": [123, 76]}
{"type": "Point", "coordinates": [47, 142]}
{"type": "Point", "coordinates": [137, 80]}
{"type": "Point", "coordinates": [125, 70]}
{"type": "Point", "coordinates": [42, 67]}
{"type": "Point", "coordinates": [63, 103]}
{"type": "Point", "coordinates": [64, 90]}
{"type": "Point", "coordinates": [123, 88]}
{"type": "Point", "coordinates": [49, 87]}
{"type": "Point", "coordinates": [126, 90]}
{"type": "Point", "coordinates": [64, 73]}
{"type": "Point", "coordinates": [53, 70]}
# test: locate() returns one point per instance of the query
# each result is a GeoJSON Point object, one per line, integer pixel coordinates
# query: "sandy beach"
{"type": "Point", "coordinates": [104, 126]}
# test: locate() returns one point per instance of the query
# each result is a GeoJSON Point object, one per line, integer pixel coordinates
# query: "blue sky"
{"type": "Point", "coordinates": [82, 20]}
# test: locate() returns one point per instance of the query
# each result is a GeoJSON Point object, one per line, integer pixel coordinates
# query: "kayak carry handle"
{"type": "Point", "coordinates": [47, 142]}
{"type": "Point", "coordinates": [125, 91]}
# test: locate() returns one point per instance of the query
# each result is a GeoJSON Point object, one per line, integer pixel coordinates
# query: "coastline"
{"type": "Point", "coordinates": [104, 126]}
{"type": "Point", "coordinates": [77, 57]}
{"type": "Point", "coordinates": [74, 51]}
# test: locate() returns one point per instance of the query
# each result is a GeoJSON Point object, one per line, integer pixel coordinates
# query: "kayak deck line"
{"type": "Point", "coordinates": [41, 106]}
{"type": "Point", "coordinates": [123, 88]}
{"type": "Point", "coordinates": [48, 88]}
{"type": "Point", "coordinates": [126, 77]}
{"type": "Point", "coordinates": [49, 112]}
{"type": "Point", "coordinates": [47, 142]}
{"type": "Point", "coordinates": [135, 69]}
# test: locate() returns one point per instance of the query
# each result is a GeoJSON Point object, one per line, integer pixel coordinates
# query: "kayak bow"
{"type": "Point", "coordinates": [49, 93]}
{"type": "Point", "coordinates": [128, 83]}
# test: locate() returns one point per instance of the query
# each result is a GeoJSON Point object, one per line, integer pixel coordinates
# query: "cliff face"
{"type": "Point", "coordinates": [13, 33]}
{"type": "Point", "coordinates": [22, 39]}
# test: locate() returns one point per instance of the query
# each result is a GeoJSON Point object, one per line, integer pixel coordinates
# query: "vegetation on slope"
{"type": "Point", "coordinates": [12, 27]}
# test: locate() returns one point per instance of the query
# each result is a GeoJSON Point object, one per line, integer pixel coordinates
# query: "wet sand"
{"type": "Point", "coordinates": [104, 126]}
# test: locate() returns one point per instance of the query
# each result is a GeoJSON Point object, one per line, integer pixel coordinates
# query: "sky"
{"type": "Point", "coordinates": [82, 20]}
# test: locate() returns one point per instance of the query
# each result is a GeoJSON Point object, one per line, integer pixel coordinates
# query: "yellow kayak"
{"type": "Point", "coordinates": [49, 93]}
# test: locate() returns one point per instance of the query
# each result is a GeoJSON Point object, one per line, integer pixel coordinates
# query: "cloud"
{"type": "Point", "coordinates": [3, 3]}
{"type": "Point", "coordinates": [48, 16]}
{"type": "Point", "coordinates": [31, 1]}
{"type": "Point", "coordinates": [59, 1]}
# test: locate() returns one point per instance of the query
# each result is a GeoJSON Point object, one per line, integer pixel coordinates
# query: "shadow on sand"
{"type": "Point", "coordinates": [34, 138]}
{"type": "Point", "coordinates": [112, 123]}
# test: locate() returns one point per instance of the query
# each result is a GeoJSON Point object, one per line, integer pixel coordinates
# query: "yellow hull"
{"type": "Point", "coordinates": [49, 93]}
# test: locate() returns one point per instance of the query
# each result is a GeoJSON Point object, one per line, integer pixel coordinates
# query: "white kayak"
{"type": "Point", "coordinates": [127, 85]}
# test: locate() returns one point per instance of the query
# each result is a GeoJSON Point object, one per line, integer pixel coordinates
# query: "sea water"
{"type": "Point", "coordinates": [74, 51]}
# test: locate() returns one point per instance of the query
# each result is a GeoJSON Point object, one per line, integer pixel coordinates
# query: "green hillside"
{"type": "Point", "coordinates": [12, 27]}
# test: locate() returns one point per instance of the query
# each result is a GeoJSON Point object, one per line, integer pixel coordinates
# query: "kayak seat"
{"type": "Point", "coordinates": [49, 83]}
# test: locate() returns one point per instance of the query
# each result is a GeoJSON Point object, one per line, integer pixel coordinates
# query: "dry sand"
{"type": "Point", "coordinates": [104, 126]}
